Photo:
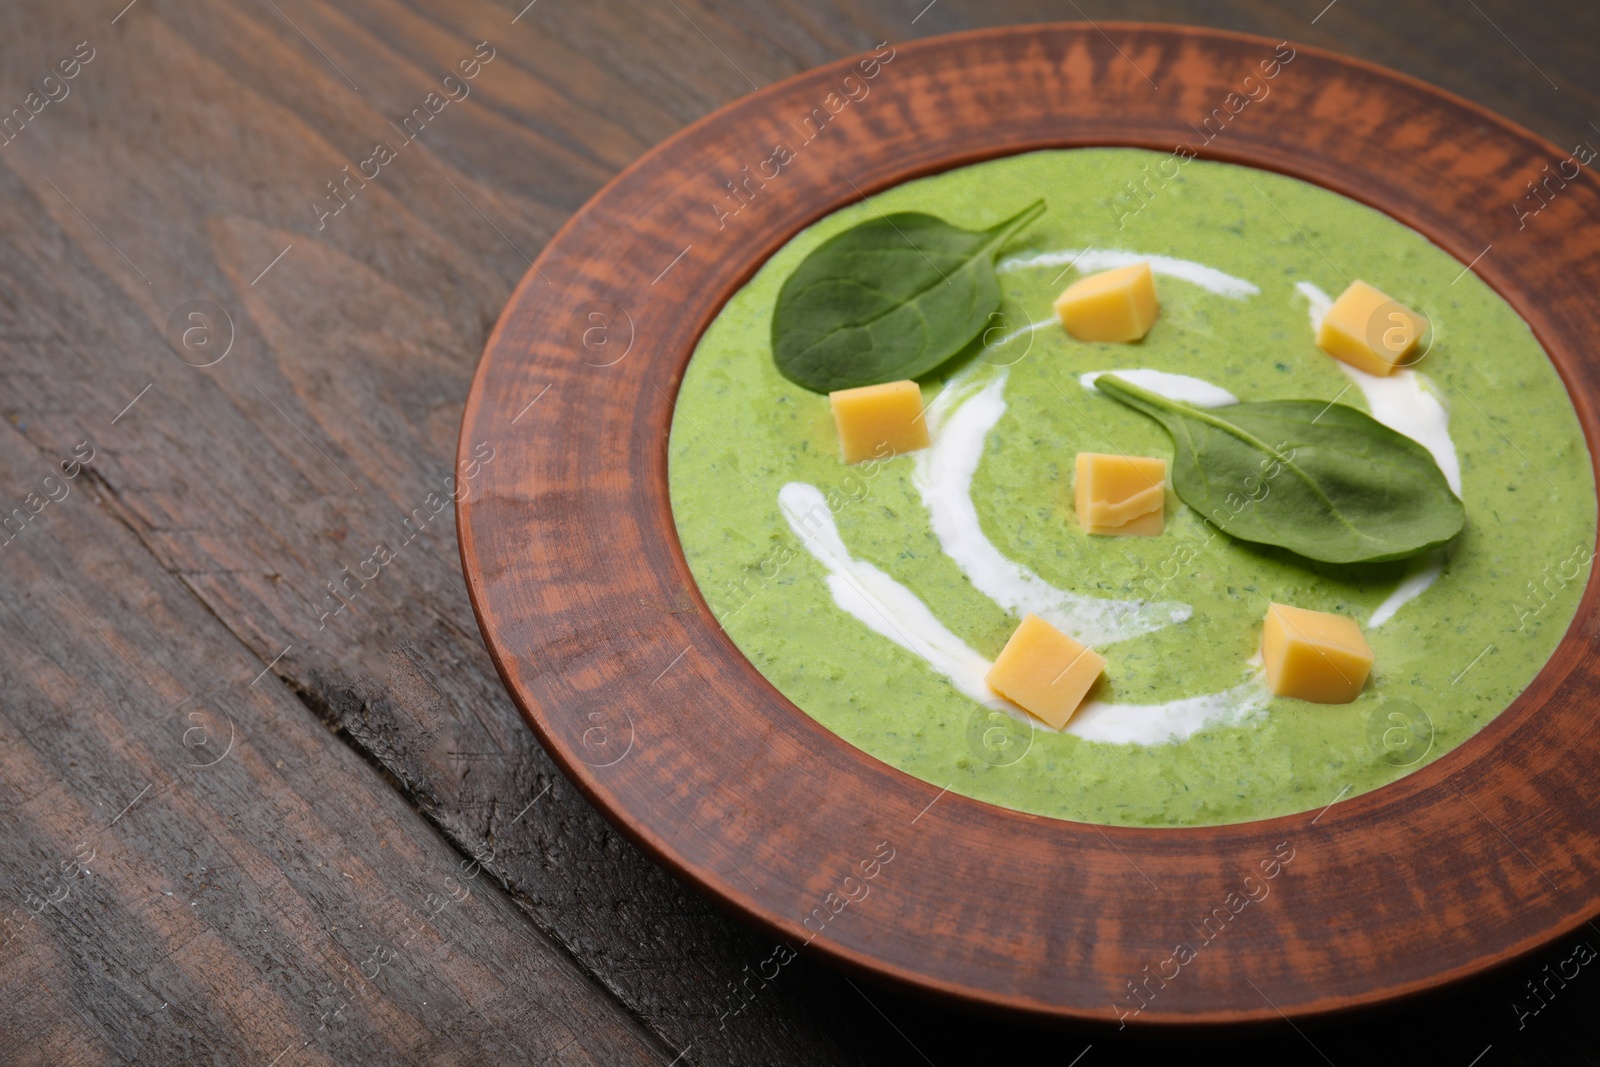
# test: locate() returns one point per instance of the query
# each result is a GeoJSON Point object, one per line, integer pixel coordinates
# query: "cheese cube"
{"type": "Point", "coordinates": [1044, 671]}
{"type": "Point", "coordinates": [1120, 494]}
{"type": "Point", "coordinates": [1114, 305]}
{"type": "Point", "coordinates": [1370, 331]}
{"type": "Point", "coordinates": [1314, 655]}
{"type": "Point", "coordinates": [879, 420]}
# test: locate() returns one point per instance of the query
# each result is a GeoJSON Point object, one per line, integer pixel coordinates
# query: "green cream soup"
{"type": "Point", "coordinates": [875, 596]}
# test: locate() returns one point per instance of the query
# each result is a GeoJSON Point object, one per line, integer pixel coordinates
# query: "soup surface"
{"type": "Point", "coordinates": [876, 596]}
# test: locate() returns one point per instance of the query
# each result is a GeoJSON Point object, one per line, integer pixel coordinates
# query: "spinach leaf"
{"type": "Point", "coordinates": [891, 298]}
{"type": "Point", "coordinates": [1323, 480]}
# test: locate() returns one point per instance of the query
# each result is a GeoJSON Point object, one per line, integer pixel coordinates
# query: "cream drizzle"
{"type": "Point", "coordinates": [1088, 260]}
{"type": "Point", "coordinates": [884, 605]}
{"type": "Point", "coordinates": [891, 610]}
{"type": "Point", "coordinates": [959, 421]}
{"type": "Point", "coordinates": [1424, 570]}
{"type": "Point", "coordinates": [1180, 387]}
{"type": "Point", "coordinates": [1175, 720]}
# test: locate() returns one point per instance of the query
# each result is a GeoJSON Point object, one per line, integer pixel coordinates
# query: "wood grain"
{"type": "Point", "coordinates": [196, 141]}
{"type": "Point", "coordinates": [715, 773]}
{"type": "Point", "coordinates": [173, 891]}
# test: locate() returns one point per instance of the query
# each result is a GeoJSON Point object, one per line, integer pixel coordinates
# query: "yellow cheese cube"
{"type": "Point", "coordinates": [1120, 494]}
{"type": "Point", "coordinates": [1152, 525]}
{"type": "Point", "coordinates": [1114, 305]}
{"type": "Point", "coordinates": [1044, 671]}
{"type": "Point", "coordinates": [879, 420]}
{"type": "Point", "coordinates": [1370, 331]}
{"type": "Point", "coordinates": [1314, 655]}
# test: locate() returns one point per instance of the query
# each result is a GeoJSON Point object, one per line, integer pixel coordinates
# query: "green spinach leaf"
{"type": "Point", "coordinates": [888, 299]}
{"type": "Point", "coordinates": [1326, 481]}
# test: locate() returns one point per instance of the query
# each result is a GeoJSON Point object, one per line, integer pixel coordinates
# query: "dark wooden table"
{"type": "Point", "coordinates": [262, 797]}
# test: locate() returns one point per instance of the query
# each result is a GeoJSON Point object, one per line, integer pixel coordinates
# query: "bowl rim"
{"type": "Point", "coordinates": [667, 851]}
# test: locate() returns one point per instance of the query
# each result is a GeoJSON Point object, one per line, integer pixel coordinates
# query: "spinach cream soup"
{"type": "Point", "coordinates": [876, 596]}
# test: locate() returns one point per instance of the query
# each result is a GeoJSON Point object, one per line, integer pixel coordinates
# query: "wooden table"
{"type": "Point", "coordinates": [264, 800]}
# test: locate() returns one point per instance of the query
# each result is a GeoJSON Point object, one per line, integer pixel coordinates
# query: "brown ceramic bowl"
{"type": "Point", "coordinates": [603, 640]}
